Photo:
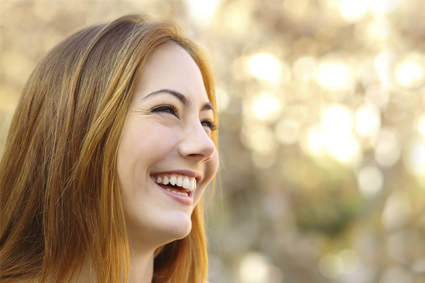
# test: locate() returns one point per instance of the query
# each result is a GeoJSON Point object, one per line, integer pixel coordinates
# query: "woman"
{"type": "Point", "coordinates": [110, 149]}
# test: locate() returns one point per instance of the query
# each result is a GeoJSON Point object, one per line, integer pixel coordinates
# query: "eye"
{"type": "Point", "coordinates": [165, 109]}
{"type": "Point", "coordinates": [209, 124]}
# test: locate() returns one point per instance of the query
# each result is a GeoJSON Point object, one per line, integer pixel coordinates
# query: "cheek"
{"type": "Point", "coordinates": [210, 170]}
{"type": "Point", "coordinates": [212, 166]}
{"type": "Point", "coordinates": [141, 145]}
{"type": "Point", "coordinates": [146, 138]}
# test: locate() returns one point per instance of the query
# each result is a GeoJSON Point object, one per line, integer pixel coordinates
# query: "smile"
{"type": "Point", "coordinates": [176, 183]}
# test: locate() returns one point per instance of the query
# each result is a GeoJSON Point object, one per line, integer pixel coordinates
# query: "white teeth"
{"type": "Point", "coordinates": [186, 183]}
{"type": "Point", "coordinates": [178, 193]}
{"type": "Point", "coordinates": [173, 180]}
{"type": "Point", "coordinates": [165, 180]}
{"type": "Point", "coordinates": [180, 181]}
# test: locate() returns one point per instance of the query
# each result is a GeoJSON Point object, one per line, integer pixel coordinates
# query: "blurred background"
{"type": "Point", "coordinates": [322, 128]}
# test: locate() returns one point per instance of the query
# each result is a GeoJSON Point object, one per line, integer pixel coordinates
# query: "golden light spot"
{"type": "Point", "coordinates": [414, 157]}
{"type": "Point", "coordinates": [266, 107]}
{"type": "Point", "coordinates": [258, 137]}
{"type": "Point", "coordinates": [265, 66]}
{"type": "Point", "coordinates": [397, 210]}
{"type": "Point", "coordinates": [368, 120]}
{"type": "Point", "coordinates": [410, 72]}
{"type": "Point", "coordinates": [387, 150]}
{"type": "Point", "coordinates": [287, 131]}
{"type": "Point", "coordinates": [202, 13]}
{"type": "Point", "coordinates": [336, 127]}
{"type": "Point", "coordinates": [305, 68]}
{"type": "Point", "coordinates": [254, 268]}
{"type": "Point", "coordinates": [353, 10]}
{"type": "Point", "coordinates": [335, 75]}
{"type": "Point", "coordinates": [313, 141]}
{"type": "Point", "coordinates": [370, 181]}
{"type": "Point", "coordinates": [381, 7]}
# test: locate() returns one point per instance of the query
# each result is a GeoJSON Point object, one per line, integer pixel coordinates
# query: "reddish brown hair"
{"type": "Point", "coordinates": [59, 195]}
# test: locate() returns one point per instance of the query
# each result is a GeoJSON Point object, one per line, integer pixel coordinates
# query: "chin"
{"type": "Point", "coordinates": [155, 232]}
{"type": "Point", "coordinates": [175, 227]}
{"type": "Point", "coordinates": [179, 228]}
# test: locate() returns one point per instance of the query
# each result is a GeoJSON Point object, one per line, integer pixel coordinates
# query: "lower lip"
{"type": "Point", "coordinates": [187, 200]}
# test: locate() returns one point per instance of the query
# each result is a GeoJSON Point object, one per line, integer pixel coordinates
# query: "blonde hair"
{"type": "Point", "coordinates": [59, 195]}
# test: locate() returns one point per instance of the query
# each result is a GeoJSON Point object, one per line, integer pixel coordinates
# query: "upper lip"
{"type": "Point", "coordinates": [188, 173]}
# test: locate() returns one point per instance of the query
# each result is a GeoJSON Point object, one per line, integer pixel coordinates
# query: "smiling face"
{"type": "Point", "coordinates": [166, 156]}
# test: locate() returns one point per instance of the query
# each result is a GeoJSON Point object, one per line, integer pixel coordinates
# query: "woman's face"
{"type": "Point", "coordinates": [166, 156]}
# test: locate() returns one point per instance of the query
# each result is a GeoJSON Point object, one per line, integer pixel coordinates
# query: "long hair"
{"type": "Point", "coordinates": [59, 194]}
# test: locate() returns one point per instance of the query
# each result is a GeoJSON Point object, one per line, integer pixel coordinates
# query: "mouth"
{"type": "Point", "coordinates": [178, 184]}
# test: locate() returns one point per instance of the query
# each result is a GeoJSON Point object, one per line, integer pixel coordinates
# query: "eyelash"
{"type": "Point", "coordinates": [166, 108]}
{"type": "Point", "coordinates": [209, 124]}
{"type": "Point", "coordinates": [171, 110]}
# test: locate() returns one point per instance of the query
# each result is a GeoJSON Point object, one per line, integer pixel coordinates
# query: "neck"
{"type": "Point", "coordinates": [141, 267]}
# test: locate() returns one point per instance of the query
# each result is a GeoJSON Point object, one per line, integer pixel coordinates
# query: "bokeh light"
{"type": "Point", "coordinates": [259, 138]}
{"type": "Point", "coordinates": [265, 107]}
{"type": "Point", "coordinates": [265, 66]}
{"type": "Point", "coordinates": [333, 265]}
{"type": "Point", "coordinates": [410, 72]}
{"type": "Point", "coordinates": [287, 131]}
{"type": "Point", "coordinates": [384, 62]}
{"type": "Point", "coordinates": [334, 75]}
{"type": "Point", "coordinates": [313, 141]}
{"type": "Point", "coordinates": [337, 124]}
{"type": "Point", "coordinates": [305, 68]}
{"type": "Point", "coordinates": [253, 268]}
{"type": "Point", "coordinates": [377, 95]}
{"type": "Point", "coordinates": [368, 121]}
{"type": "Point", "coordinates": [202, 13]}
{"type": "Point", "coordinates": [381, 7]}
{"type": "Point", "coordinates": [223, 100]}
{"type": "Point", "coordinates": [415, 157]}
{"type": "Point", "coordinates": [370, 180]}
{"type": "Point", "coordinates": [353, 10]}
{"type": "Point", "coordinates": [396, 211]}
{"type": "Point", "coordinates": [387, 149]}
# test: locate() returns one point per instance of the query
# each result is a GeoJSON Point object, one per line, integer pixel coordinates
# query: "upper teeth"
{"type": "Point", "coordinates": [188, 183]}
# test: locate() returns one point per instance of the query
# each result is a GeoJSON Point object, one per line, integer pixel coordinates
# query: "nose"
{"type": "Point", "coordinates": [196, 145]}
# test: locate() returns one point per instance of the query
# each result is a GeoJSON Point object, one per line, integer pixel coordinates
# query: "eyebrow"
{"type": "Point", "coordinates": [181, 97]}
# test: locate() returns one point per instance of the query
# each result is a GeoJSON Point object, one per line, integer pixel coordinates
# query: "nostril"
{"type": "Point", "coordinates": [197, 145]}
{"type": "Point", "coordinates": [200, 156]}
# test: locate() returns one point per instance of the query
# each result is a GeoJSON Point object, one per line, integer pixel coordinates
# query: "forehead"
{"type": "Point", "coordinates": [171, 67]}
